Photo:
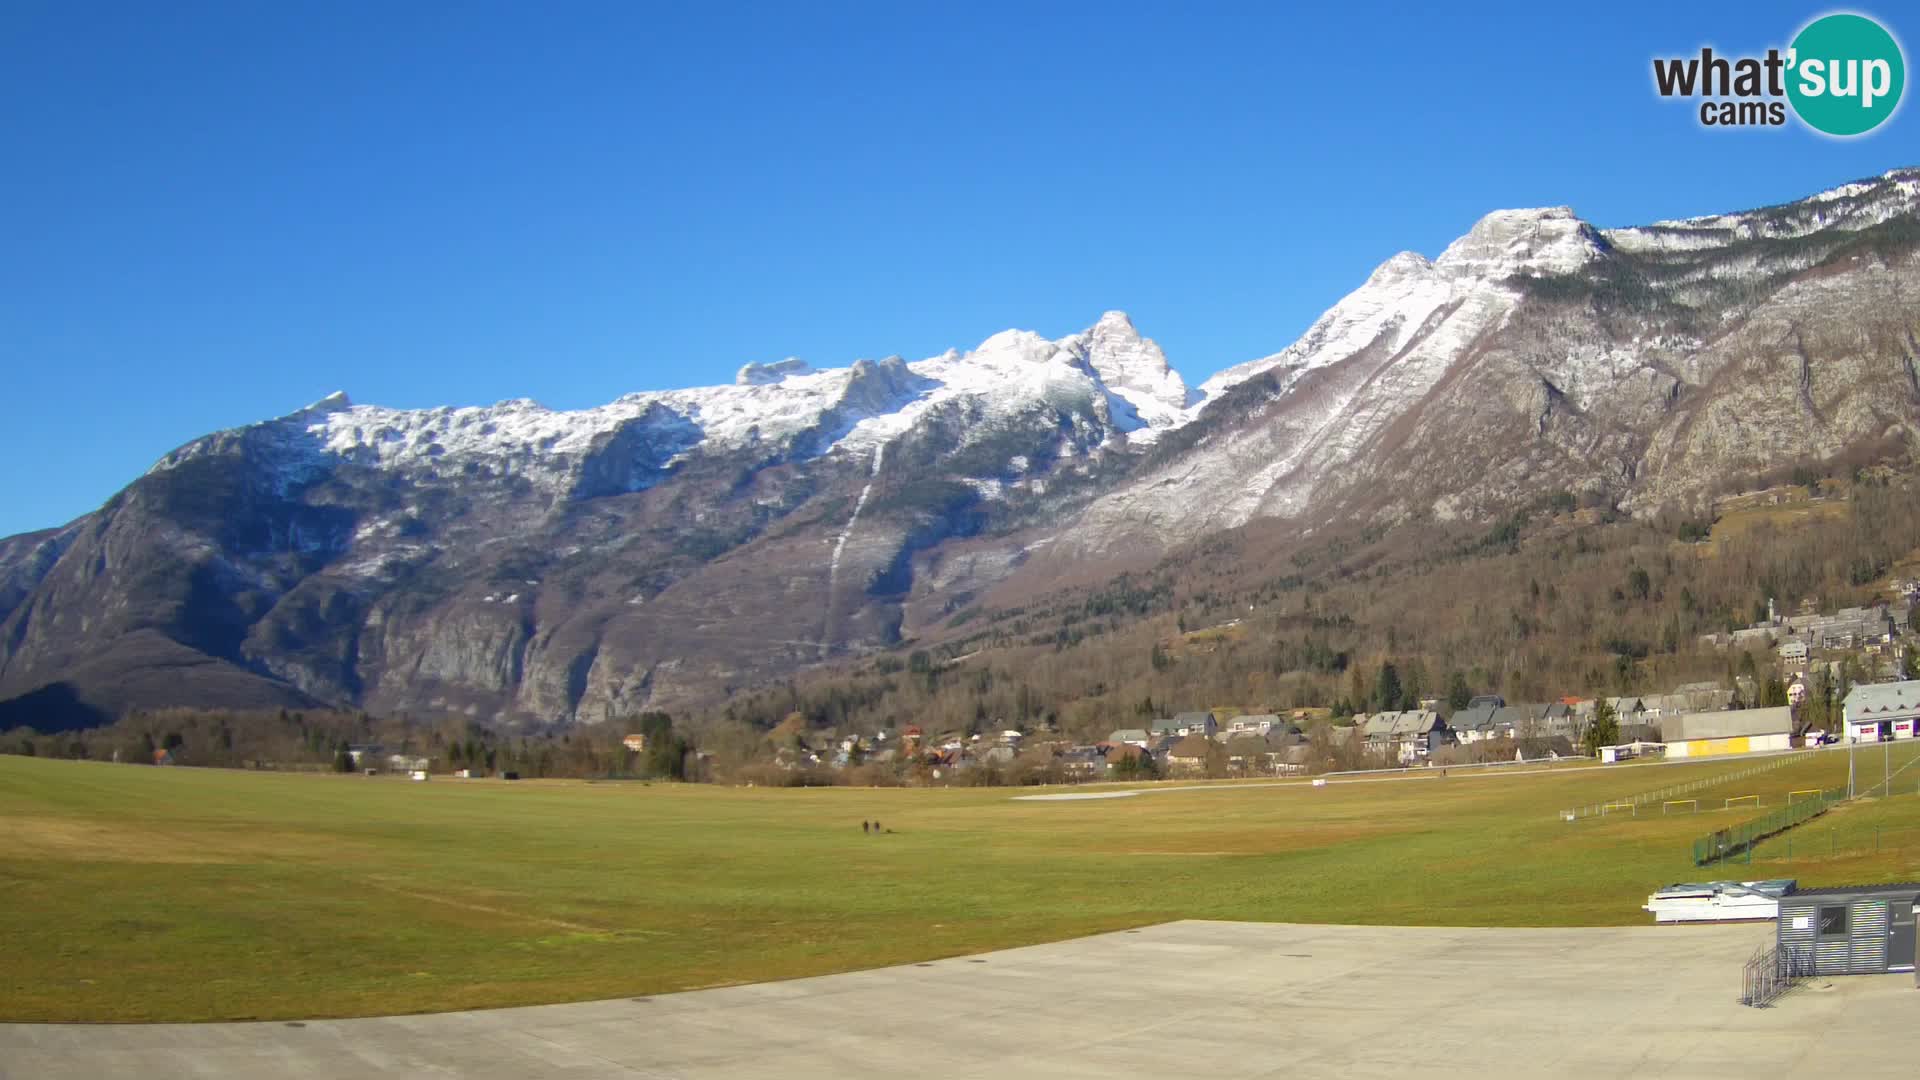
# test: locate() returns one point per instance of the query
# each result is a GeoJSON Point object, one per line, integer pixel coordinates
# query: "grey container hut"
{"type": "Point", "coordinates": [1849, 930]}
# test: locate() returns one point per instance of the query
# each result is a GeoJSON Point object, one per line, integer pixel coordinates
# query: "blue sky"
{"type": "Point", "coordinates": [215, 213]}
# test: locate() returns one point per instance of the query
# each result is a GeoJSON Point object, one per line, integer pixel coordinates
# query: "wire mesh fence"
{"type": "Point", "coordinates": [1726, 843]}
{"type": "Point", "coordinates": [1634, 802]}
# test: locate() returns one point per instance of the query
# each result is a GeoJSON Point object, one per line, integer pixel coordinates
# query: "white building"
{"type": "Point", "coordinates": [1883, 711]}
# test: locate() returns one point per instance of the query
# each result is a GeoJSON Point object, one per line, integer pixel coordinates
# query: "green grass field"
{"type": "Point", "coordinates": [181, 894]}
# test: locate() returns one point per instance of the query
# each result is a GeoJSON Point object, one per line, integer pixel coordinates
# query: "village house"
{"type": "Point", "coordinates": [1686, 698]}
{"type": "Point", "coordinates": [1472, 724]}
{"type": "Point", "coordinates": [1253, 754]}
{"type": "Point", "coordinates": [1248, 753]}
{"type": "Point", "coordinates": [1297, 758]}
{"type": "Point", "coordinates": [1129, 737]}
{"type": "Point", "coordinates": [1514, 721]}
{"type": "Point", "coordinates": [1253, 724]}
{"type": "Point", "coordinates": [1406, 736]}
{"type": "Point", "coordinates": [1560, 718]}
{"type": "Point", "coordinates": [1375, 728]}
{"type": "Point", "coordinates": [1117, 753]}
{"type": "Point", "coordinates": [1195, 723]}
{"type": "Point", "coordinates": [1189, 755]}
{"type": "Point", "coordinates": [1629, 710]}
{"type": "Point", "coordinates": [1418, 733]}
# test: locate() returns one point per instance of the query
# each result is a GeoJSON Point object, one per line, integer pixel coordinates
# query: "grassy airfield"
{"type": "Point", "coordinates": [131, 893]}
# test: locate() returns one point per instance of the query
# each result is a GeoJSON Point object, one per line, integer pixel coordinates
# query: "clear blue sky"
{"type": "Point", "coordinates": [215, 213]}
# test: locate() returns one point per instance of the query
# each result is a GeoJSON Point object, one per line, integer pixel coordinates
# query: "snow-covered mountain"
{"type": "Point", "coordinates": [516, 562]}
{"type": "Point", "coordinates": [1108, 375]}
{"type": "Point", "coordinates": [1538, 353]}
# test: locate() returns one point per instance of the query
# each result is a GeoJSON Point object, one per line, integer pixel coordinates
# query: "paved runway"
{"type": "Point", "coordinates": [1191, 998]}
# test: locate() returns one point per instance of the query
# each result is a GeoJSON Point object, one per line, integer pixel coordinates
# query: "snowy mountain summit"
{"type": "Point", "coordinates": [1119, 379]}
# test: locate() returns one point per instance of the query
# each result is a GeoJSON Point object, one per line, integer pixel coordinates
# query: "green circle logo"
{"type": "Point", "coordinates": [1846, 74]}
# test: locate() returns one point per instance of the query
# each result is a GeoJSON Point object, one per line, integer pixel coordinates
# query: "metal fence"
{"type": "Point", "coordinates": [1724, 843]}
{"type": "Point", "coordinates": [1600, 809]}
{"type": "Point", "coordinates": [1772, 971]}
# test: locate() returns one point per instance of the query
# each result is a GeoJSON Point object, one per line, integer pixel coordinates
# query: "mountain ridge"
{"type": "Point", "coordinates": [516, 563]}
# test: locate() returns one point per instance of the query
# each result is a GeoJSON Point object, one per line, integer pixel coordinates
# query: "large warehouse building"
{"type": "Point", "coordinates": [1734, 731]}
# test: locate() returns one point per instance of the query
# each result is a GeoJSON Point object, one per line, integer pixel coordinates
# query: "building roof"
{"type": "Point", "coordinates": [1241, 745]}
{"type": "Point", "coordinates": [1898, 888]}
{"type": "Point", "coordinates": [1509, 716]}
{"type": "Point", "coordinates": [1191, 719]}
{"type": "Point", "coordinates": [1254, 719]}
{"type": "Point", "coordinates": [1473, 718]}
{"type": "Point", "coordinates": [1378, 724]}
{"type": "Point", "coordinates": [1416, 722]}
{"type": "Point", "coordinates": [1728, 724]}
{"type": "Point", "coordinates": [1193, 746]}
{"type": "Point", "coordinates": [1130, 734]}
{"type": "Point", "coordinates": [1883, 700]}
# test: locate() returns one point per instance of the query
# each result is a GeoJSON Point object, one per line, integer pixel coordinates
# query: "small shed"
{"type": "Point", "coordinates": [1849, 930]}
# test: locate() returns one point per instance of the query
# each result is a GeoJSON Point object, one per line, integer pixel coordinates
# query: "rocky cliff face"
{"type": "Point", "coordinates": [520, 564]}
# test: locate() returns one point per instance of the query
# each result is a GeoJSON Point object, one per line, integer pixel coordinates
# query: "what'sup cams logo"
{"type": "Point", "coordinates": [1842, 76]}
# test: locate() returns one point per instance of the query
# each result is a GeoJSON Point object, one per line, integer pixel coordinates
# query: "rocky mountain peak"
{"type": "Point", "coordinates": [1405, 265]}
{"type": "Point", "coordinates": [1546, 240]}
{"type": "Point", "coordinates": [1132, 366]}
